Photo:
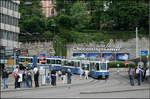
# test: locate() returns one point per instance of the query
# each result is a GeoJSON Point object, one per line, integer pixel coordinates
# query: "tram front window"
{"type": "Point", "coordinates": [97, 66]}
{"type": "Point", "coordinates": [103, 66]}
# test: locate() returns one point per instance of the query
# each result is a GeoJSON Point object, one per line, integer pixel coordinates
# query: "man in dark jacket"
{"type": "Point", "coordinates": [53, 77]}
{"type": "Point", "coordinates": [5, 75]}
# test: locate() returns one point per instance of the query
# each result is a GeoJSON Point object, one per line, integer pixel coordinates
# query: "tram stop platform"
{"type": "Point", "coordinates": [59, 83]}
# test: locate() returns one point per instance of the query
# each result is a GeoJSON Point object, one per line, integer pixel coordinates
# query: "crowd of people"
{"type": "Point", "coordinates": [24, 78]}
{"type": "Point", "coordinates": [138, 74]}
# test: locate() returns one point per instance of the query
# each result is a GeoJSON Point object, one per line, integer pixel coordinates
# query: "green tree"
{"type": "Point", "coordinates": [64, 21]}
{"type": "Point", "coordinates": [80, 17]}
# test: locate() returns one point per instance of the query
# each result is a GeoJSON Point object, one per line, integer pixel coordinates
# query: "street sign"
{"type": "Point", "coordinates": [26, 63]}
{"type": "Point", "coordinates": [10, 61]}
{"type": "Point", "coordinates": [144, 52]}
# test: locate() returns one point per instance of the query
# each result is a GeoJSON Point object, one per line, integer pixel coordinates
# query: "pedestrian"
{"type": "Point", "coordinates": [131, 75]}
{"type": "Point", "coordinates": [5, 76]}
{"type": "Point", "coordinates": [36, 76]}
{"type": "Point", "coordinates": [63, 76]}
{"type": "Point", "coordinates": [86, 74]}
{"type": "Point", "coordinates": [53, 77]}
{"type": "Point", "coordinates": [81, 73]}
{"type": "Point", "coordinates": [29, 78]}
{"type": "Point", "coordinates": [139, 75]}
{"type": "Point", "coordinates": [20, 79]}
{"type": "Point", "coordinates": [69, 76]}
{"type": "Point", "coordinates": [59, 74]}
{"type": "Point", "coordinates": [15, 74]}
{"type": "Point", "coordinates": [147, 75]}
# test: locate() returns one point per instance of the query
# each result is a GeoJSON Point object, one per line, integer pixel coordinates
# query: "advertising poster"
{"type": "Point", "coordinates": [109, 56]}
{"type": "Point", "coordinates": [122, 56]}
{"type": "Point", "coordinates": [79, 55]}
{"type": "Point", "coordinates": [94, 55]}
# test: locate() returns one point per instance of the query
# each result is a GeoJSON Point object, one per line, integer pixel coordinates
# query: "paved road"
{"type": "Point", "coordinates": [117, 86]}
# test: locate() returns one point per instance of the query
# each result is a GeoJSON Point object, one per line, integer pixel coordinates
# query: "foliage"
{"type": "Point", "coordinates": [80, 17]}
{"type": "Point", "coordinates": [64, 21]}
{"type": "Point", "coordinates": [59, 45]}
{"type": "Point", "coordinates": [114, 65]}
{"type": "Point", "coordinates": [86, 21]}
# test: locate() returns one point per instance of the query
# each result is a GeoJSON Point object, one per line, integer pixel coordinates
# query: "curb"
{"type": "Point", "coordinates": [115, 91]}
{"type": "Point", "coordinates": [46, 87]}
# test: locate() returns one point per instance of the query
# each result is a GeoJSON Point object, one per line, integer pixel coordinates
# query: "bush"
{"type": "Point", "coordinates": [114, 65]}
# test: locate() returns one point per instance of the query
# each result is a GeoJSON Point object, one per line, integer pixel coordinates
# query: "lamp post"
{"type": "Point", "coordinates": [136, 42]}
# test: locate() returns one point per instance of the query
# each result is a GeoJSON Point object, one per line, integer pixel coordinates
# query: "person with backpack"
{"type": "Point", "coordinates": [15, 74]}
{"type": "Point", "coordinates": [36, 76]}
{"type": "Point", "coordinates": [5, 76]}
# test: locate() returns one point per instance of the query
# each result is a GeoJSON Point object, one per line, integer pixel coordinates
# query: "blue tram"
{"type": "Point", "coordinates": [99, 69]}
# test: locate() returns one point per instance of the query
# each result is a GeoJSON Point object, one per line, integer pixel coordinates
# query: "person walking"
{"type": "Point", "coordinates": [86, 74]}
{"type": "Point", "coordinates": [131, 75]}
{"type": "Point", "coordinates": [81, 73]}
{"type": "Point", "coordinates": [36, 76]}
{"type": "Point", "coordinates": [5, 76]}
{"type": "Point", "coordinates": [53, 77]}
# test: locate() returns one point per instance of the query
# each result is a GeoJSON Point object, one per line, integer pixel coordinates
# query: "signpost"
{"type": "Point", "coordinates": [118, 71]}
{"type": "Point", "coordinates": [144, 52]}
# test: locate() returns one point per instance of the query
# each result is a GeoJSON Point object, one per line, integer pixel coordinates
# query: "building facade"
{"type": "Point", "coordinates": [48, 8]}
{"type": "Point", "coordinates": [9, 30]}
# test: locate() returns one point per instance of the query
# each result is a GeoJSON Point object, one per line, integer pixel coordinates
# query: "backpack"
{"type": "Point", "coordinates": [15, 75]}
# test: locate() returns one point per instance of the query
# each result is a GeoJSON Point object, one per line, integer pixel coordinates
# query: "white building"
{"type": "Point", "coordinates": [9, 30]}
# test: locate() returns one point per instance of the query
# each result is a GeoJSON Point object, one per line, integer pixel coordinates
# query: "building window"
{"type": "Point", "coordinates": [52, 1]}
{"type": "Point", "coordinates": [1, 3]}
{"type": "Point", "coordinates": [52, 12]}
{"type": "Point", "coordinates": [4, 35]}
{"type": "Point", "coordinates": [12, 6]}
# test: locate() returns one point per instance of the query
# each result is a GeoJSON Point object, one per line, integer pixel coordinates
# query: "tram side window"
{"type": "Point", "coordinates": [48, 61]}
{"type": "Point", "coordinates": [52, 61]}
{"type": "Point", "coordinates": [58, 61]}
{"type": "Point", "coordinates": [22, 59]}
{"type": "Point", "coordinates": [83, 66]}
{"type": "Point", "coordinates": [72, 63]}
{"type": "Point", "coordinates": [92, 67]}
